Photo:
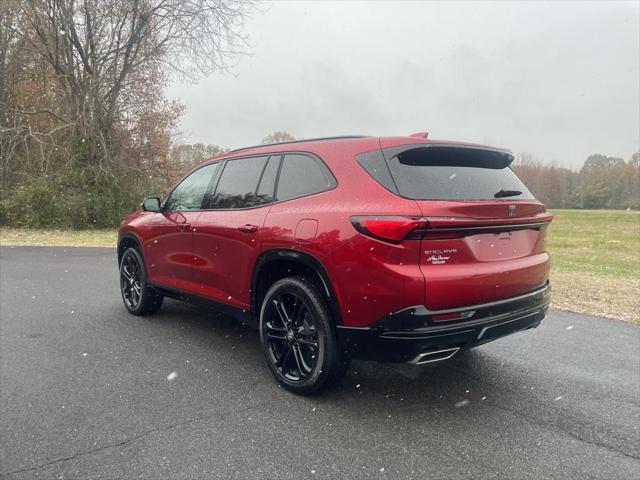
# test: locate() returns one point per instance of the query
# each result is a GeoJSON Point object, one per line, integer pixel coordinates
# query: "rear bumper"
{"type": "Point", "coordinates": [407, 335]}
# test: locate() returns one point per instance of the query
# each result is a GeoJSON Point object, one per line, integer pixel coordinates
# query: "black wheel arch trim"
{"type": "Point", "coordinates": [131, 236]}
{"type": "Point", "coordinates": [304, 258]}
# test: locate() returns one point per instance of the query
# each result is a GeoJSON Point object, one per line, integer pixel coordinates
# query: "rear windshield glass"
{"type": "Point", "coordinates": [455, 173]}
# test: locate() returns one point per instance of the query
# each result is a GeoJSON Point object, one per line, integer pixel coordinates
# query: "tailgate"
{"type": "Point", "coordinates": [476, 256]}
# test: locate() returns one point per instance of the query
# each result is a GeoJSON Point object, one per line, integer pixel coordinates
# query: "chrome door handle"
{"type": "Point", "coordinates": [248, 228]}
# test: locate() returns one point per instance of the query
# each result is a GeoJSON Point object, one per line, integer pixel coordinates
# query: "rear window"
{"type": "Point", "coordinates": [447, 173]}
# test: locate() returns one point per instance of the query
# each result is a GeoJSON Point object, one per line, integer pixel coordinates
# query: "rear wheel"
{"type": "Point", "coordinates": [298, 337]}
{"type": "Point", "coordinates": [139, 297]}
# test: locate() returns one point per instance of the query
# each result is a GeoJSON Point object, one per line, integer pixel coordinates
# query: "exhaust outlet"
{"type": "Point", "coordinates": [435, 356]}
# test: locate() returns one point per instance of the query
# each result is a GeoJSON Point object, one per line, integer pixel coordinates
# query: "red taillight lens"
{"type": "Point", "coordinates": [389, 228]}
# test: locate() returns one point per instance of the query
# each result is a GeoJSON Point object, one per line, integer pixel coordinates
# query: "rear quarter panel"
{"type": "Point", "coordinates": [371, 278]}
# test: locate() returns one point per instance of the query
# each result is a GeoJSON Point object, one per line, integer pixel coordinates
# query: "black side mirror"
{"type": "Point", "coordinates": [151, 204]}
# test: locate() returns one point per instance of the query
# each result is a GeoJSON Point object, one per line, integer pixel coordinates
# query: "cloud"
{"type": "Point", "coordinates": [557, 80]}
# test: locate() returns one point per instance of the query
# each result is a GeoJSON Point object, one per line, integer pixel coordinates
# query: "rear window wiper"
{"type": "Point", "coordinates": [506, 193]}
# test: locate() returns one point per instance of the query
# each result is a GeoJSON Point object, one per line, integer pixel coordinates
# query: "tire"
{"type": "Point", "coordinates": [138, 296]}
{"type": "Point", "coordinates": [298, 337]}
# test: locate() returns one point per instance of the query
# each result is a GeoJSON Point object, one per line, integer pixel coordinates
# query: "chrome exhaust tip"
{"type": "Point", "coordinates": [435, 356]}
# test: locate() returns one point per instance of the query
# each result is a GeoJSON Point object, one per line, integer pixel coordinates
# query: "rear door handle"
{"type": "Point", "coordinates": [183, 226]}
{"type": "Point", "coordinates": [248, 228]}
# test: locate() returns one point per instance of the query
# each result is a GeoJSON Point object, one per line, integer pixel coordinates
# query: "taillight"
{"type": "Point", "coordinates": [393, 229]}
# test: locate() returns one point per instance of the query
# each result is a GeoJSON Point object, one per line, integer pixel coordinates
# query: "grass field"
{"type": "Point", "coordinates": [595, 258]}
{"type": "Point", "coordinates": [595, 262]}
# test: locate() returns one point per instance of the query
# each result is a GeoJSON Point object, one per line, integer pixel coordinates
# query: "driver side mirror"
{"type": "Point", "coordinates": [151, 204]}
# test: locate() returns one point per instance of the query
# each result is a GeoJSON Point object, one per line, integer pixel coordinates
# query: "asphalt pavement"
{"type": "Point", "coordinates": [89, 391]}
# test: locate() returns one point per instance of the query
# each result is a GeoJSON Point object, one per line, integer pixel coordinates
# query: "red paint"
{"type": "Point", "coordinates": [372, 277]}
{"type": "Point", "coordinates": [230, 251]}
{"type": "Point", "coordinates": [306, 230]}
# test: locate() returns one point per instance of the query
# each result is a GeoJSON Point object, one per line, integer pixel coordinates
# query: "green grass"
{"type": "Point", "coordinates": [603, 242]}
{"type": "Point", "coordinates": [595, 262]}
{"type": "Point", "coordinates": [595, 258]}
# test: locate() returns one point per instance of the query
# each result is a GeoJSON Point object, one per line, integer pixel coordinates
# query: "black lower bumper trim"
{"type": "Point", "coordinates": [384, 343]}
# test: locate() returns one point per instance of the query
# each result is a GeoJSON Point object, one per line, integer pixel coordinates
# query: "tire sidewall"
{"type": "Point", "coordinates": [326, 338]}
{"type": "Point", "coordinates": [143, 281]}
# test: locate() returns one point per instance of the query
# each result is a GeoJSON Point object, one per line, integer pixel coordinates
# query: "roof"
{"type": "Point", "coordinates": [319, 139]}
{"type": "Point", "coordinates": [382, 142]}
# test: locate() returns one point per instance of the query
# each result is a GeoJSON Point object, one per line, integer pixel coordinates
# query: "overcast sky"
{"type": "Point", "coordinates": [558, 80]}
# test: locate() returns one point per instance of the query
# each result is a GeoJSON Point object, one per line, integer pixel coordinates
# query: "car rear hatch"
{"type": "Point", "coordinates": [483, 235]}
{"type": "Point", "coordinates": [476, 256]}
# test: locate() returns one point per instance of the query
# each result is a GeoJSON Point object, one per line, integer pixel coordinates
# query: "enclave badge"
{"type": "Point", "coordinates": [511, 210]}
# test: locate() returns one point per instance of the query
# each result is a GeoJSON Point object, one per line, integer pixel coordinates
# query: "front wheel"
{"type": "Point", "coordinates": [138, 296]}
{"type": "Point", "coordinates": [298, 338]}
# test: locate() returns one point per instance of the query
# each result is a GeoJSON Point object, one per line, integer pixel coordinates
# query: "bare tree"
{"type": "Point", "coordinates": [191, 153]}
{"type": "Point", "coordinates": [96, 46]}
{"type": "Point", "coordinates": [82, 81]}
{"type": "Point", "coordinates": [277, 137]}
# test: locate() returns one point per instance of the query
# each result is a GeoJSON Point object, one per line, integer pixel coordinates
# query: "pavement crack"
{"type": "Point", "coordinates": [132, 439]}
{"type": "Point", "coordinates": [539, 422]}
{"type": "Point", "coordinates": [554, 426]}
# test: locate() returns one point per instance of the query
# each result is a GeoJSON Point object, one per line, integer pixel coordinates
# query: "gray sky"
{"type": "Point", "coordinates": [558, 80]}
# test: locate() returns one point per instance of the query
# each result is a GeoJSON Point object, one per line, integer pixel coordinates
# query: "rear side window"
{"type": "Point", "coordinates": [302, 175]}
{"type": "Point", "coordinates": [267, 187]}
{"type": "Point", "coordinates": [450, 173]}
{"type": "Point", "coordinates": [238, 183]}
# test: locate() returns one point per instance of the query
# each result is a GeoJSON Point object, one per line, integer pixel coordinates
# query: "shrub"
{"type": "Point", "coordinates": [70, 201]}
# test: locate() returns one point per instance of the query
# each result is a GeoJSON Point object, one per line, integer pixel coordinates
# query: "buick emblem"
{"type": "Point", "coordinates": [511, 210]}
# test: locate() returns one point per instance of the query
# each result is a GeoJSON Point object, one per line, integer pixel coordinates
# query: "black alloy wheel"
{"type": "Point", "coordinates": [298, 337]}
{"type": "Point", "coordinates": [130, 281]}
{"type": "Point", "coordinates": [139, 298]}
{"type": "Point", "coordinates": [292, 337]}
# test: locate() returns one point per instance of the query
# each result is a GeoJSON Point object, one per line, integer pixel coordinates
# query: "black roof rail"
{"type": "Point", "coordinates": [299, 141]}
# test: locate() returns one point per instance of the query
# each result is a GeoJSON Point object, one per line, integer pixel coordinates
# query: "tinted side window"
{"type": "Point", "coordinates": [302, 175]}
{"type": "Point", "coordinates": [266, 189]}
{"type": "Point", "coordinates": [376, 166]}
{"type": "Point", "coordinates": [238, 183]}
{"type": "Point", "coordinates": [188, 195]}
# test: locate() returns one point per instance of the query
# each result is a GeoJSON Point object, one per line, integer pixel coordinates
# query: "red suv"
{"type": "Point", "coordinates": [399, 249]}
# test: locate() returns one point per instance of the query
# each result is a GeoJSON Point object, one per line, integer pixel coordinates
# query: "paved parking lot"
{"type": "Point", "coordinates": [89, 391]}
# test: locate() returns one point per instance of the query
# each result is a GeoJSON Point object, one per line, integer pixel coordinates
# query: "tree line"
{"type": "Point", "coordinates": [602, 182]}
